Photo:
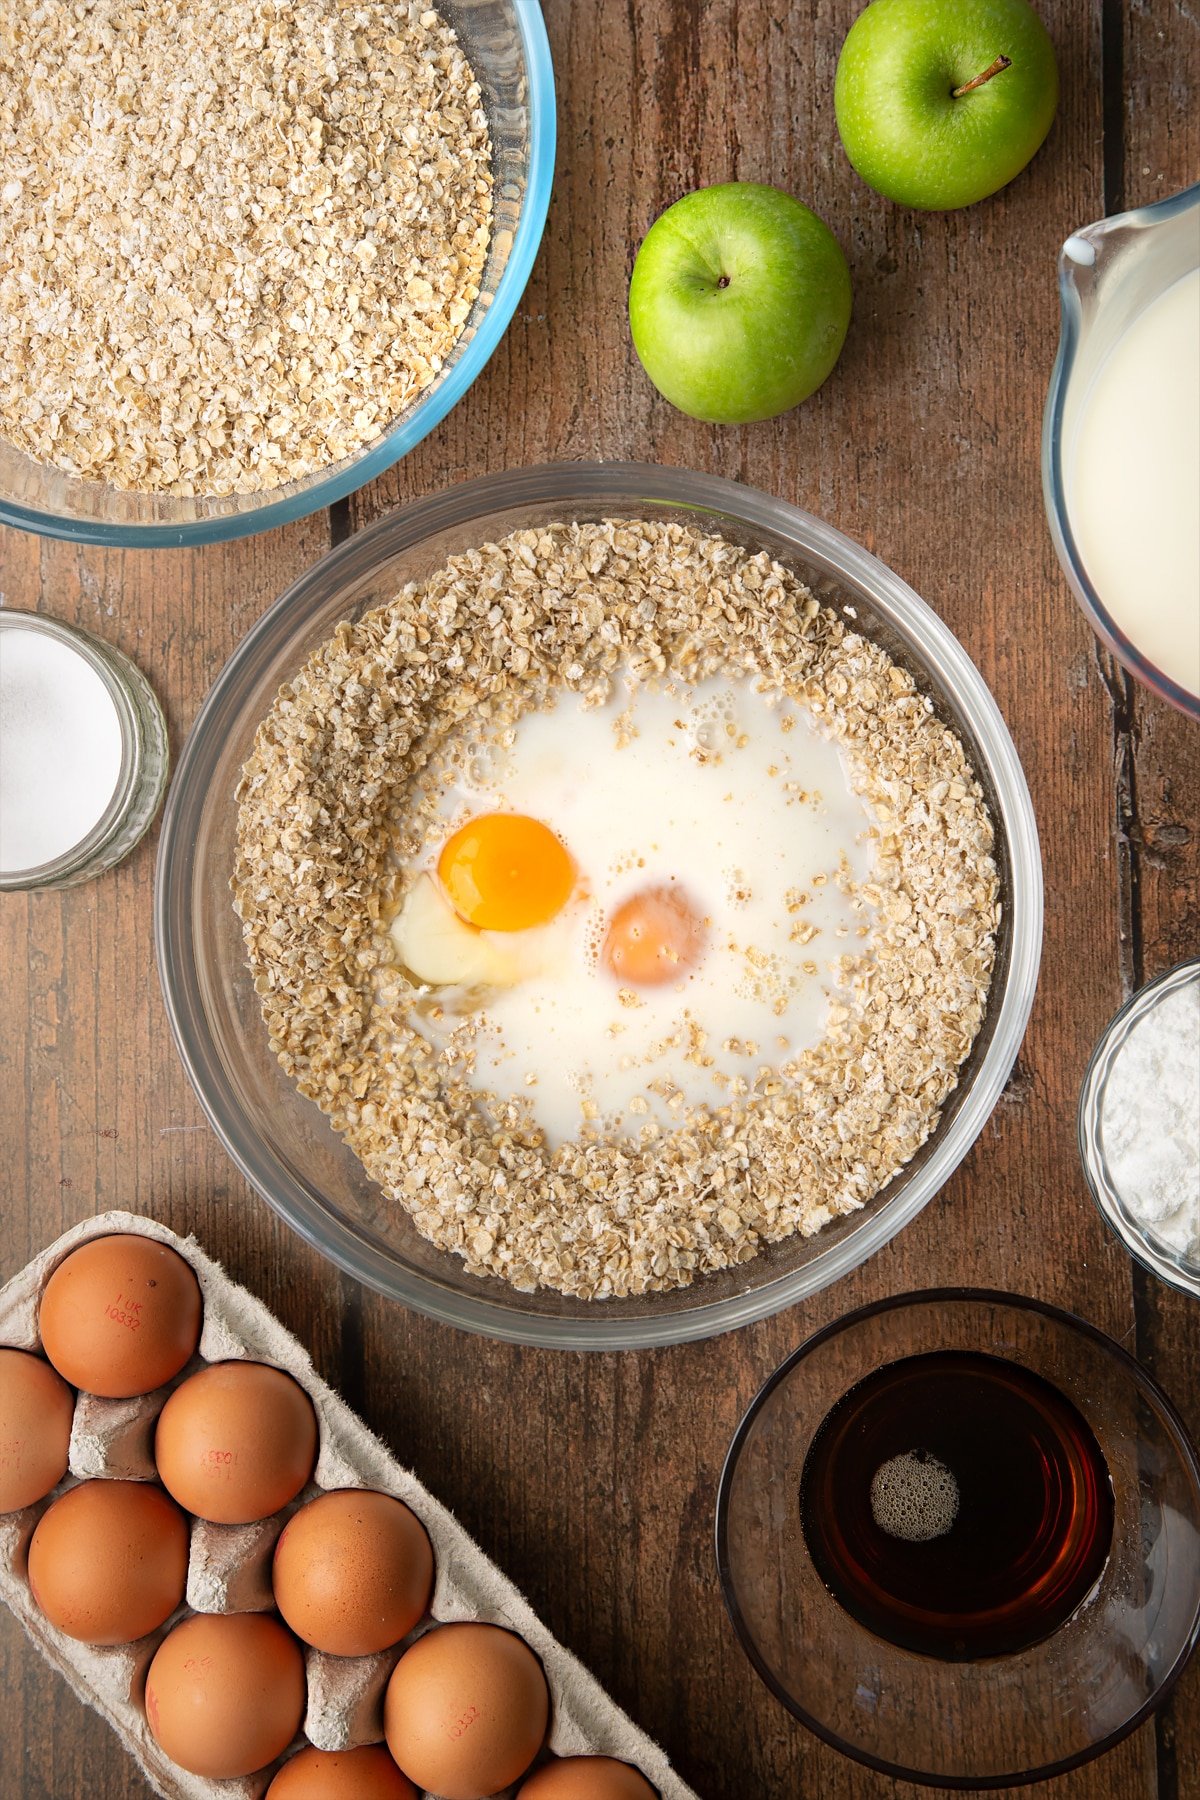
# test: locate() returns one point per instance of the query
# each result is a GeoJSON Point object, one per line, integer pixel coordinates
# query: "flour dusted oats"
{"type": "Point", "coordinates": [322, 803]}
{"type": "Point", "coordinates": [236, 238]}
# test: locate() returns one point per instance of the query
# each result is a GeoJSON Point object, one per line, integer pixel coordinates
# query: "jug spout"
{"type": "Point", "coordinates": [1123, 373]}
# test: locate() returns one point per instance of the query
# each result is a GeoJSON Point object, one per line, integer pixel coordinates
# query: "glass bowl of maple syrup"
{"type": "Point", "coordinates": [958, 1534]}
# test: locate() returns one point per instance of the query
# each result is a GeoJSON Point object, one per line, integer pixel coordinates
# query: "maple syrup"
{"type": "Point", "coordinates": [958, 1505]}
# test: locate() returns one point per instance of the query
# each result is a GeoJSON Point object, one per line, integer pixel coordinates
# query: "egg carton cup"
{"type": "Point", "coordinates": [229, 1566]}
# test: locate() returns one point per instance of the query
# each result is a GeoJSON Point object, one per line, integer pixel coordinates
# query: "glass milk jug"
{"type": "Point", "coordinates": [1121, 439]}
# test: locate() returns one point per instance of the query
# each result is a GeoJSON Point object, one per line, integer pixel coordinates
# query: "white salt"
{"type": "Point", "coordinates": [60, 747]}
{"type": "Point", "coordinates": [1150, 1121]}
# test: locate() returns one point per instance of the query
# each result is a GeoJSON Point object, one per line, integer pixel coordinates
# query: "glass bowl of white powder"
{"type": "Point", "coordinates": [1139, 1126]}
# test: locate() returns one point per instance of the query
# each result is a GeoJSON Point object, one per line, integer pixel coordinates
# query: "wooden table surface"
{"type": "Point", "coordinates": [591, 1479]}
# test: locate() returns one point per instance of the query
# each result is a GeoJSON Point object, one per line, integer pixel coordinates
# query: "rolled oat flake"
{"type": "Point", "coordinates": [82, 753]}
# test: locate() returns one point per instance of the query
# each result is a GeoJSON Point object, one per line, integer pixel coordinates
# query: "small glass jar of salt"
{"type": "Point", "coordinates": [83, 753]}
{"type": "Point", "coordinates": [1139, 1125]}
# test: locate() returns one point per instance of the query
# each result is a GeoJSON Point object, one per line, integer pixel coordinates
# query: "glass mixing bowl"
{"type": "Point", "coordinates": [1001, 1720]}
{"type": "Point", "coordinates": [509, 51]}
{"type": "Point", "coordinates": [283, 1144]}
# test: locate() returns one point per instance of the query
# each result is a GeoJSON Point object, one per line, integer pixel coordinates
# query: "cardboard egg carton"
{"type": "Point", "coordinates": [229, 1568]}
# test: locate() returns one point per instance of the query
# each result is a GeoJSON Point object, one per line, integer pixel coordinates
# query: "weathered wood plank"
{"type": "Point", "coordinates": [925, 446]}
{"type": "Point", "coordinates": [95, 1110]}
{"type": "Point", "coordinates": [1161, 154]}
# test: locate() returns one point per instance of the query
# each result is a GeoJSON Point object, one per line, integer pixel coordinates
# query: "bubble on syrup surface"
{"type": "Point", "coordinates": [914, 1497]}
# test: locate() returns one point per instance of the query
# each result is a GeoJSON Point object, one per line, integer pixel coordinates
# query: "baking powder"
{"type": "Point", "coordinates": [1150, 1121]}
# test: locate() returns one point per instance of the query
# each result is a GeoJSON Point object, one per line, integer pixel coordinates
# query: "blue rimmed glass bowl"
{"type": "Point", "coordinates": [509, 51]}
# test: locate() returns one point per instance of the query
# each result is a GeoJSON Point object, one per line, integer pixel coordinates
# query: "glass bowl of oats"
{"type": "Point", "coordinates": [599, 905]}
{"type": "Point", "coordinates": [282, 250]}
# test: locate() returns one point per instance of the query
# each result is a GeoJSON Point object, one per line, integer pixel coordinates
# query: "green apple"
{"type": "Point", "coordinates": [941, 102]}
{"type": "Point", "coordinates": [739, 303]}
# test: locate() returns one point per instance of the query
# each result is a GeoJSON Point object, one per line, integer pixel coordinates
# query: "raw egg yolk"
{"type": "Point", "coordinates": [653, 937]}
{"type": "Point", "coordinates": [506, 872]}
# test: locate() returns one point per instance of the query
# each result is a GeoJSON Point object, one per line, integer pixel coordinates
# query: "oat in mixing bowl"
{"type": "Point", "coordinates": [622, 907]}
{"type": "Point", "coordinates": [236, 240]}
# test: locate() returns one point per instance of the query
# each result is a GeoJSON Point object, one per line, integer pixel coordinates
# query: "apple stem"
{"type": "Point", "coordinates": [997, 68]}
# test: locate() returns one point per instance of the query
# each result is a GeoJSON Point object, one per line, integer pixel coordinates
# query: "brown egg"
{"type": "Point", "coordinates": [36, 1409]}
{"type": "Point", "coordinates": [108, 1561]}
{"type": "Point", "coordinates": [236, 1441]}
{"type": "Point", "coordinates": [225, 1693]}
{"type": "Point", "coordinates": [366, 1774]}
{"type": "Point", "coordinates": [121, 1315]}
{"type": "Point", "coordinates": [587, 1778]}
{"type": "Point", "coordinates": [353, 1572]}
{"type": "Point", "coordinates": [466, 1710]}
